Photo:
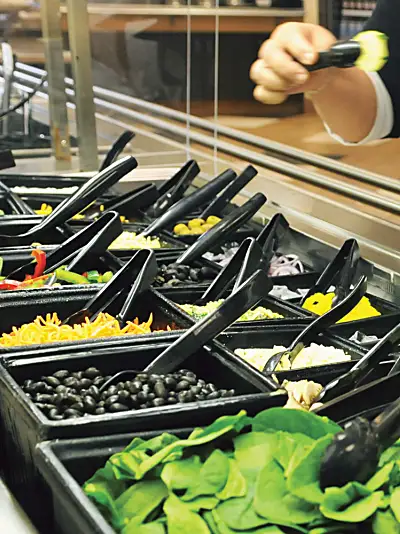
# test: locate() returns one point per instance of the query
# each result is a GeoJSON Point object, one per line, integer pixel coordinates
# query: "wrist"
{"type": "Point", "coordinates": [330, 75]}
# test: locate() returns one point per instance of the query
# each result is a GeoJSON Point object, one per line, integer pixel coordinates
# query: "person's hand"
{"type": "Point", "coordinates": [277, 74]}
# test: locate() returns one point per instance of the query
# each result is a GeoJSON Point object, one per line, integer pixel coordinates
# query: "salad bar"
{"type": "Point", "coordinates": [169, 364]}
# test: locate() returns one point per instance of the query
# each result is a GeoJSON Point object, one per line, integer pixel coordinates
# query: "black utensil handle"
{"type": "Point", "coordinates": [63, 253]}
{"type": "Point", "coordinates": [221, 230]}
{"type": "Point", "coordinates": [114, 378]}
{"type": "Point", "coordinates": [342, 54]}
{"type": "Point", "coordinates": [7, 160]}
{"type": "Point", "coordinates": [346, 276]}
{"type": "Point", "coordinates": [249, 294]}
{"type": "Point", "coordinates": [226, 276]}
{"type": "Point", "coordinates": [217, 206]}
{"type": "Point", "coordinates": [139, 199]}
{"type": "Point", "coordinates": [175, 188]}
{"type": "Point", "coordinates": [396, 367]}
{"type": "Point", "coordinates": [271, 235]}
{"type": "Point", "coordinates": [333, 269]}
{"type": "Point", "coordinates": [188, 204]}
{"type": "Point", "coordinates": [252, 260]}
{"type": "Point", "coordinates": [99, 243]}
{"type": "Point", "coordinates": [387, 425]}
{"type": "Point", "coordinates": [186, 169]}
{"type": "Point", "coordinates": [86, 194]}
{"type": "Point", "coordinates": [116, 149]}
{"type": "Point", "coordinates": [333, 315]}
{"type": "Point", "coordinates": [144, 273]}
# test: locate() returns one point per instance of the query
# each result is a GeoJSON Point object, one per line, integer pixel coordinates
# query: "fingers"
{"type": "Point", "coordinates": [266, 96]}
{"type": "Point", "coordinates": [282, 63]}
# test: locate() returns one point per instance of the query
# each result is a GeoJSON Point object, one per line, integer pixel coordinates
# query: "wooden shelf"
{"type": "Point", "coordinates": [31, 50]}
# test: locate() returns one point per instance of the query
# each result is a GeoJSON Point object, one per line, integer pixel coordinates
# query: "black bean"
{"type": "Point", "coordinates": [135, 387]}
{"type": "Point", "coordinates": [172, 400]}
{"type": "Point", "coordinates": [101, 404]}
{"type": "Point", "coordinates": [143, 406]}
{"type": "Point", "coordinates": [143, 377]}
{"type": "Point", "coordinates": [191, 380]}
{"type": "Point", "coordinates": [104, 395]}
{"type": "Point", "coordinates": [201, 382]}
{"type": "Point", "coordinates": [153, 379]}
{"type": "Point", "coordinates": [112, 390]}
{"type": "Point", "coordinates": [89, 404]}
{"type": "Point", "coordinates": [207, 272]}
{"type": "Point", "coordinates": [170, 382]}
{"type": "Point", "coordinates": [181, 276]}
{"type": "Point", "coordinates": [118, 407]}
{"type": "Point", "coordinates": [146, 388]}
{"type": "Point", "coordinates": [77, 374]}
{"type": "Point", "coordinates": [55, 415]}
{"type": "Point", "coordinates": [142, 396]}
{"type": "Point", "coordinates": [84, 383]}
{"type": "Point", "coordinates": [213, 395]}
{"type": "Point", "coordinates": [111, 400]}
{"type": "Point", "coordinates": [100, 410]}
{"type": "Point", "coordinates": [160, 390]}
{"type": "Point", "coordinates": [70, 412]}
{"type": "Point", "coordinates": [48, 389]}
{"type": "Point", "coordinates": [91, 373]}
{"type": "Point", "coordinates": [61, 374]}
{"type": "Point", "coordinates": [190, 374]}
{"type": "Point", "coordinates": [182, 385]}
{"type": "Point", "coordinates": [71, 382]}
{"type": "Point", "coordinates": [120, 386]}
{"type": "Point", "coordinates": [98, 381]}
{"type": "Point", "coordinates": [204, 391]}
{"type": "Point", "coordinates": [52, 381]}
{"type": "Point", "coordinates": [57, 399]}
{"type": "Point", "coordinates": [78, 406]}
{"type": "Point", "coordinates": [94, 392]}
{"type": "Point", "coordinates": [211, 387]}
{"type": "Point", "coordinates": [150, 396]}
{"type": "Point", "coordinates": [159, 402]}
{"type": "Point", "coordinates": [229, 393]}
{"type": "Point", "coordinates": [61, 389]}
{"type": "Point", "coordinates": [195, 390]}
{"type": "Point", "coordinates": [39, 387]}
{"type": "Point", "coordinates": [199, 397]}
{"type": "Point", "coordinates": [123, 396]}
{"type": "Point", "coordinates": [43, 397]}
{"type": "Point", "coordinates": [184, 396]}
{"type": "Point", "coordinates": [134, 401]}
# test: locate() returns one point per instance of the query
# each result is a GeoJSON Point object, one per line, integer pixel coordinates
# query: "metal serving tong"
{"type": "Point", "coordinates": [221, 231]}
{"type": "Point", "coordinates": [86, 194]}
{"type": "Point", "coordinates": [117, 148]}
{"type": "Point", "coordinates": [142, 268]}
{"type": "Point", "coordinates": [174, 188]}
{"type": "Point", "coordinates": [93, 239]}
{"type": "Point", "coordinates": [320, 324]}
{"type": "Point", "coordinates": [340, 272]}
{"type": "Point", "coordinates": [217, 206]}
{"type": "Point", "coordinates": [350, 380]}
{"type": "Point", "coordinates": [354, 453]}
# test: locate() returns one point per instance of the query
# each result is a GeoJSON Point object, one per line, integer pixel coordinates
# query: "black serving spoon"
{"type": "Point", "coordinates": [117, 148]}
{"type": "Point", "coordinates": [354, 453]}
{"type": "Point", "coordinates": [348, 381]}
{"type": "Point", "coordinates": [222, 230]}
{"type": "Point", "coordinates": [217, 206]}
{"type": "Point", "coordinates": [133, 269]}
{"type": "Point", "coordinates": [97, 246]}
{"type": "Point", "coordinates": [186, 205]}
{"type": "Point", "coordinates": [174, 188]}
{"type": "Point", "coordinates": [77, 202]}
{"type": "Point", "coordinates": [340, 272]}
{"type": "Point", "coordinates": [320, 324]}
{"type": "Point", "coordinates": [249, 294]}
{"type": "Point", "coordinates": [63, 253]}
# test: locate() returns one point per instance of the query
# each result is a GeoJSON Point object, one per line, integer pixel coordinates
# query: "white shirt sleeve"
{"type": "Point", "coordinates": [384, 117]}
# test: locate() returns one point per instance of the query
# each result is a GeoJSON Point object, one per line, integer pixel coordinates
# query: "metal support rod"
{"type": "Point", "coordinates": [79, 40]}
{"type": "Point", "coordinates": [52, 39]}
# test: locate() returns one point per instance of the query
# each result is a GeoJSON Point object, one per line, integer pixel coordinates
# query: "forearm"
{"type": "Point", "coordinates": [348, 104]}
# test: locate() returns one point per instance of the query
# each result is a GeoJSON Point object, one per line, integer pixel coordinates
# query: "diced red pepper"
{"type": "Point", "coordinates": [9, 284]}
{"type": "Point", "coordinates": [40, 257]}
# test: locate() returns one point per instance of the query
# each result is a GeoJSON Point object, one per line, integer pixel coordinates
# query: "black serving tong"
{"type": "Point", "coordinates": [142, 267]}
{"type": "Point", "coordinates": [6, 160]}
{"type": "Point", "coordinates": [354, 453]}
{"type": "Point", "coordinates": [217, 206]}
{"type": "Point", "coordinates": [339, 272]}
{"type": "Point", "coordinates": [136, 200]}
{"type": "Point", "coordinates": [97, 246]}
{"type": "Point", "coordinates": [248, 295]}
{"type": "Point", "coordinates": [271, 235]}
{"type": "Point", "coordinates": [117, 148]}
{"type": "Point", "coordinates": [110, 223]}
{"type": "Point", "coordinates": [221, 230]}
{"type": "Point", "coordinates": [350, 380]}
{"type": "Point", "coordinates": [320, 324]}
{"type": "Point", "coordinates": [174, 188]}
{"type": "Point", "coordinates": [186, 205]}
{"type": "Point", "coordinates": [82, 198]}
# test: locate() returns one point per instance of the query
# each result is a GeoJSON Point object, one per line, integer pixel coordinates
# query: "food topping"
{"type": "Point", "coordinates": [320, 304]}
{"type": "Point", "coordinates": [302, 394]}
{"type": "Point", "coordinates": [21, 190]}
{"type": "Point", "coordinates": [66, 395]}
{"type": "Point", "coordinates": [131, 240]}
{"type": "Point", "coordinates": [175, 274]}
{"type": "Point", "coordinates": [196, 226]}
{"type": "Point", "coordinates": [199, 312]}
{"type": "Point", "coordinates": [307, 357]}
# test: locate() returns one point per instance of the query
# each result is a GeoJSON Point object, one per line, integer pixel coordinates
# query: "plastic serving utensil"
{"type": "Point", "coordinates": [350, 380]}
{"type": "Point", "coordinates": [339, 272]}
{"type": "Point", "coordinates": [217, 206]}
{"type": "Point", "coordinates": [110, 291]}
{"type": "Point", "coordinates": [354, 453]}
{"type": "Point", "coordinates": [188, 204]}
{"type": "Point", "coordinates": [249, 294]}
{"type": "Point", "coordinates": [220, 232]}
{"type": "Point", "coordinates": [271, 235]}
{"type": "Point", "coordinates": [174, 189]}
{"type": "Point", "coordinates": [7, 160]}
{"type": "Point", "coordinates": [112, 228]}
{"type": "Point", "coordinates": [319, 325]}
{"type": "Point", "coordinates": [117, 148]}
{"type": "Point", "coordinates": [77, 202]}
